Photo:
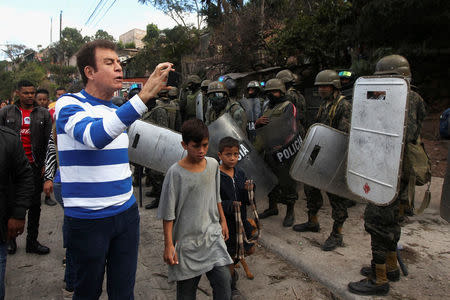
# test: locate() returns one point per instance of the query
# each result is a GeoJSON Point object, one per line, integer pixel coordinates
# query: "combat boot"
{"type": "Point", "coordinates": [312, 225]}
{"type": "Point", "coordinates": [334, 240]}
{"type": "Point", "coordinates": [392, 269]}
{"type": "Point", "coordinates": [377, 285]}
{"type": "Point", "coordinates": [290, 216]}
{"type": "Point", "coordinates": [392, 275]}
{"type": "Point", "coordinates": [271, 211]}
{"type": "Point", "coordinates": [153, 204]}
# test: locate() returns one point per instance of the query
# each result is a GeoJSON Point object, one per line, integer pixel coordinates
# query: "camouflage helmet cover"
{"type": "Point", "coordinates": [393, 64]}
{"type": "Point", "coordinates": [205, 83]}
{"type": "Point", "coordinates": [254, 84]}
{"type": "Point", "coordinates": [217, 86]}
{"type": "Point", "coordinates": [328, 77]}
{"type": "Point", "coordinates": [275, 84]}
{"type": "Point", "coordinates": [193, 79]}
{"type": "Point", "coordinates": [286, 76]}
{"type": "Point", "coordinates": [173, 92]}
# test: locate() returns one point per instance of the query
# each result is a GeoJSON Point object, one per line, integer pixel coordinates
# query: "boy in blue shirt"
{"type": "Point", "coordinates": [234, 191]}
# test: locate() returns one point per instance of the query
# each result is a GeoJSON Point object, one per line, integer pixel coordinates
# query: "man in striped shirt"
{"type": "Point", "coordinates": [102, 215]}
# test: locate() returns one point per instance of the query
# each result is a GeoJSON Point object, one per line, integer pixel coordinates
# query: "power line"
{"type": "Point", "coordinates": [95, 17]}
{"type": "Point", "coordinates": [105, 13]}
{"type": "Point", "coordinates": [99, 2]}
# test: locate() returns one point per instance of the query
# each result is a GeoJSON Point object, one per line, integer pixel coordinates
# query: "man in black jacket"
{"type": "Point", "coordinates": [33, 123]}
{"type": "Point", "coordinates": [16, 189]}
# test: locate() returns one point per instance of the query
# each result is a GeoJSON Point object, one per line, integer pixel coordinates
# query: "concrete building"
{"type": "Point", "coordinates": [133, 36]}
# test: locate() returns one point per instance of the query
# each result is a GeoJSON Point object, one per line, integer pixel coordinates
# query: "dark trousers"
{"type": "Point", "coordinates": [2, 269]}
{"type": "Point", "coordinates": [98, 243]}
{"type": "Point", "coordinates": [382, 223]}
{"type": "Point", "coordinates": [314, 202]}
{"type": "Point", "coordinates": [219, 278]}
{"type": "Point", "coordinates": [34, 212]}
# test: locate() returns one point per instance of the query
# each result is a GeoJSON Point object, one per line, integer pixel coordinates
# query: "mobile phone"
{"type": "Point", "coordinates": [173, 78]}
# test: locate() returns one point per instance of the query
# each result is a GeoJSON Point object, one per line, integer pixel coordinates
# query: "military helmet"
{"type": "Point", "coordinates": [286, 76]}
{"type": "Point", "coordinates": [205, 83]}
{"type": "Point", "coordinates": [254, 84]}
{"type": "Point", "coordinates": [275, 84]}
{"type": "Point", "coordinates": [328, 77]}
{"type": "Point", "coordinates": [134, 86]}
{"type": "Point", "coordinates": [173, 92]}
{"type": "Point", "coordinates": [217, 86]}
{"type": "Point", "coordinates": [393, 64]}
{"type": "Point", "coordinates": [193, 79]}
{"type": "Point", "coordinates": [229, 82]}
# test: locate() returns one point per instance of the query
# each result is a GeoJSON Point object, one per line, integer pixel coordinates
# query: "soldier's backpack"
{"type": "Point", "coordinates": [417, 163]}
{"type": "Point", "coordinates": [444, 124]}
{"type": "Point", "coordinates": [191, 105]}
{"type": "Point", "coordinates": [417, 166]}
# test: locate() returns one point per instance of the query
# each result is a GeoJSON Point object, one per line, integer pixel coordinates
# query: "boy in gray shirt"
{"type": "Point", "coordinates": [195, 228]}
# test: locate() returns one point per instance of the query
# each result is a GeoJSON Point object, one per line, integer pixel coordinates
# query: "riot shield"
{"type": "Point", "coordinates": [249, 159]}
{"type": "Point", "coordinates": [252, 107]}
{"type": "Point", "coordinates": [154, 147]}
{"type": "Point", "coordinates": [199, 106]}
{"type": "Point", "coordinates": [376, 138]}
{"type": "Point", "coordinates": [321, 161]}
{"type": "Point", "coordinates": [279, 139]}
{"type": "Point", "coordinates": [313, 102]}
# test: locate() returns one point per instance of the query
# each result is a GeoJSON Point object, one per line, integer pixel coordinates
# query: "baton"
{"type": "Point", "coordinates": [400, 262]}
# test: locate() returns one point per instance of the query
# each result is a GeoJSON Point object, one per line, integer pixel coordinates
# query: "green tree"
{"type": "Point", "coordinates": [103, 35]}
{"type": "Point", "coordinates": [71, 41]}
{"type": "Point", "coordinates": [152, 34]}
{"type": "Point", "coordinates": [6, 81]}
{"type": "Point", "coordinates": [130, 45]}
{"type": "Point", "coordinates": [179, 10]}
{"type": "Point", "coordinates": [14, 52]}
{"type": "Point", "coordinates": [320, 36]}
{"type": "Point", "coordinates": [32, 71]}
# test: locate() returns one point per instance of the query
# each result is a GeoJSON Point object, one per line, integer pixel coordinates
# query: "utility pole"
{"type": "Point", "coordinates": [60, 25]}
{"type": "Point", "coordinates": [51, 27]}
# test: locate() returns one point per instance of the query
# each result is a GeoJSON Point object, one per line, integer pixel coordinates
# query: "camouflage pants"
{"type": "Point", "coordinates": [314, 202]}
{"type": "Point", "coordinates": [382, 223]}
{"type": "Point", "coordinates": [156, 178]}
{"type": "Point", "coordinates": [285, 193]}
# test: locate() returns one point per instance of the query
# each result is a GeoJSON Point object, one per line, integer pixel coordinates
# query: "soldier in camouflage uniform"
{"type": "Point", "coordinates": [296, 97]}
{"type": "Point", "coordinates": [220, 103]}
{"type": "Point", "coordinates": [173, 95]}
{"type": "Point", "coordinates": [347, 82]}
{"type": "Point", "coordinates": [382, 222]}
{"type": "Point", "coordinates": [166, 113]}
{"type": "Point", "coordinates": [204, 88]}
{"type": "Point", "coordinates": [188, 96]}
{"type": "Point", "coordinates": [335, 111]}
{"type": "Point", "coordinates": [253, 106]}
{"type": "Point", "coordinates": [285, 192]}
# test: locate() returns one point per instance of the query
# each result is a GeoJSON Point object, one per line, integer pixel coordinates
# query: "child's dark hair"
{"type": "Point", "coordinates": [42, 91]}
{"type": "Point", "coordinates": [228, 141]}
{"type": "Point", "coordinates": [194, 130]}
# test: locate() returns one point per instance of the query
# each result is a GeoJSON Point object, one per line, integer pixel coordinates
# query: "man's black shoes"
{"type": "Point", "coordinates": [36, 247]}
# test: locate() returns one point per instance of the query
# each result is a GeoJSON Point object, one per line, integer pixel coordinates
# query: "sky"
{"type": "Point", "coordinates": [27, 22]}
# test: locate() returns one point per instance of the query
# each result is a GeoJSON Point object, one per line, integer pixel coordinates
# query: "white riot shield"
{"type": "Point", "coordinates": [321, 161]}
{"type": "Point", "coordinates": [249, 160]}
{"type": "Point", "coordinates": [154, 147]}
{"type": "Point", "coordinates": [199, 106]}
{"type": "Point", "coordinates": [376, 138]}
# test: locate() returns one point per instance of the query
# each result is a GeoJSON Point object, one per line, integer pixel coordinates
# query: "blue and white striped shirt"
{"type": "Point", "coordinates": [93, 154]}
